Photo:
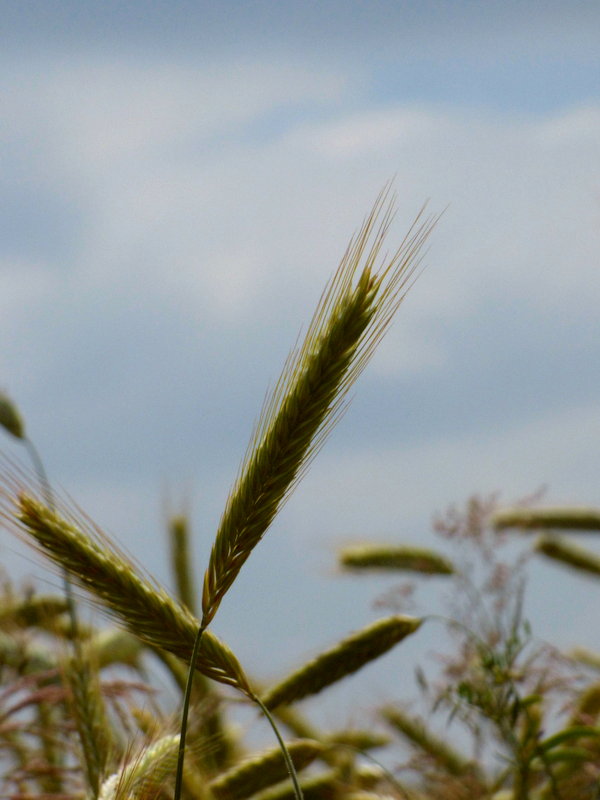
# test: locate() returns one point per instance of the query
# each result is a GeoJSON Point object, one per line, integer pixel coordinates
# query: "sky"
{"type": "Point", "coordinates": [177, 183]}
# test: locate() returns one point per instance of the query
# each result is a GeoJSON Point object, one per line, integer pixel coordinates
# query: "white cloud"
{"type": "Point", "coordinates": [366, 134]}
{"type": "Point", "coordinates": [579, 125]}
{"type": "Point", "coordinates": [180, 206]}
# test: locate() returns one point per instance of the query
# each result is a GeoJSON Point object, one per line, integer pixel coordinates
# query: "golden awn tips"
{"type": "Point", "coordinates": [353, 315]}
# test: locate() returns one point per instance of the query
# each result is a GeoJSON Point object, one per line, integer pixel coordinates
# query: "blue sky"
{"type": "Point", "coordinates": [178, 181]}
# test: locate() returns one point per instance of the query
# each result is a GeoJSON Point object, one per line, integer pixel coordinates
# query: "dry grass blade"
{"type": "Point", "coordinates": [557, 549]}
{"type": "Point", "coordinates": [345, 658]}
{"type": "Point", "coordinates": [575, 519]}
{"type": "Point", "coordinates": [413, 559]}
{"type": "Point", "coordinates": [148, 611]}
{"type": "Point", "coordinates": [355, 310]}
{"type": "Point", "coordinates": [266, 769]}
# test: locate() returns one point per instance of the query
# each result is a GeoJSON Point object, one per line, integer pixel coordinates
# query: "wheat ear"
{"type": "Point", "coordinates": [345, 658]}
{"type": "Point", "coordinates": [10, 418]}
{"type": "Point", "coordinates": [90, 716]}
{"type": "Point", "coordinates": [115, 646]}
{"type": "Point", "coordinates": [575, 519]}
{"type": "Point", "coordinates": [325, 786]}
{"type": "Point", "coordinates": [413, 559]}
{"type": "Point", "coordinates": [181, 561]}
{"type": "Point", "coordinates": [353, 314]}
{"type": "Point", "coordinates": [35, 611]}
{"type": "Point", "coordinates": [264, 770]}
{"type": "Point", "coordinates": [558, 549]}
{"type": "Point", "coordinates": [415, 731]}
{"type": "Point", "coordinates": [585, 656]}
{"type": "Point", "coordinates": [148, 611]}
{"type": "Point", "coordinates": [358, 739]}
{"type": "Point", "coordinates": [144, 776]}
{"type": "Point", "coordinates": [588, 706]}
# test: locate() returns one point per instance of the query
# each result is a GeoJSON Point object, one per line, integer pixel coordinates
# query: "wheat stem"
{"type": "Point", "coordinates": [290, 766]}
{"type": "Point", "coordinates": [184, 715]}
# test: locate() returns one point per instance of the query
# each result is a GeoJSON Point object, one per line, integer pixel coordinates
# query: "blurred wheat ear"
{"type": "Point", "coordinates": [558, 549]}
{"type": "Point", "coordinates": [351, 318]}
{"type": "Point", "coordinates": [348, 656]}
{"type": "Point", "coordinates": [415, 730]}
{"type": "Point", "coordinates": [573, 519]}
{"type": "Point", "coordinates": [264, 770]}
{"type": "Point", "coordinates": [389, 557]}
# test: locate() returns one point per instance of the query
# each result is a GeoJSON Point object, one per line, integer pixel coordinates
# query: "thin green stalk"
{"type": "Point", "coordinates": [184, 715]}
{"type": "Point", "coordinates": [284, 750]}
{"type": "Point", "coordinates": [184, 722]}
{"type": "Point", "coordinates": [182, 570]}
